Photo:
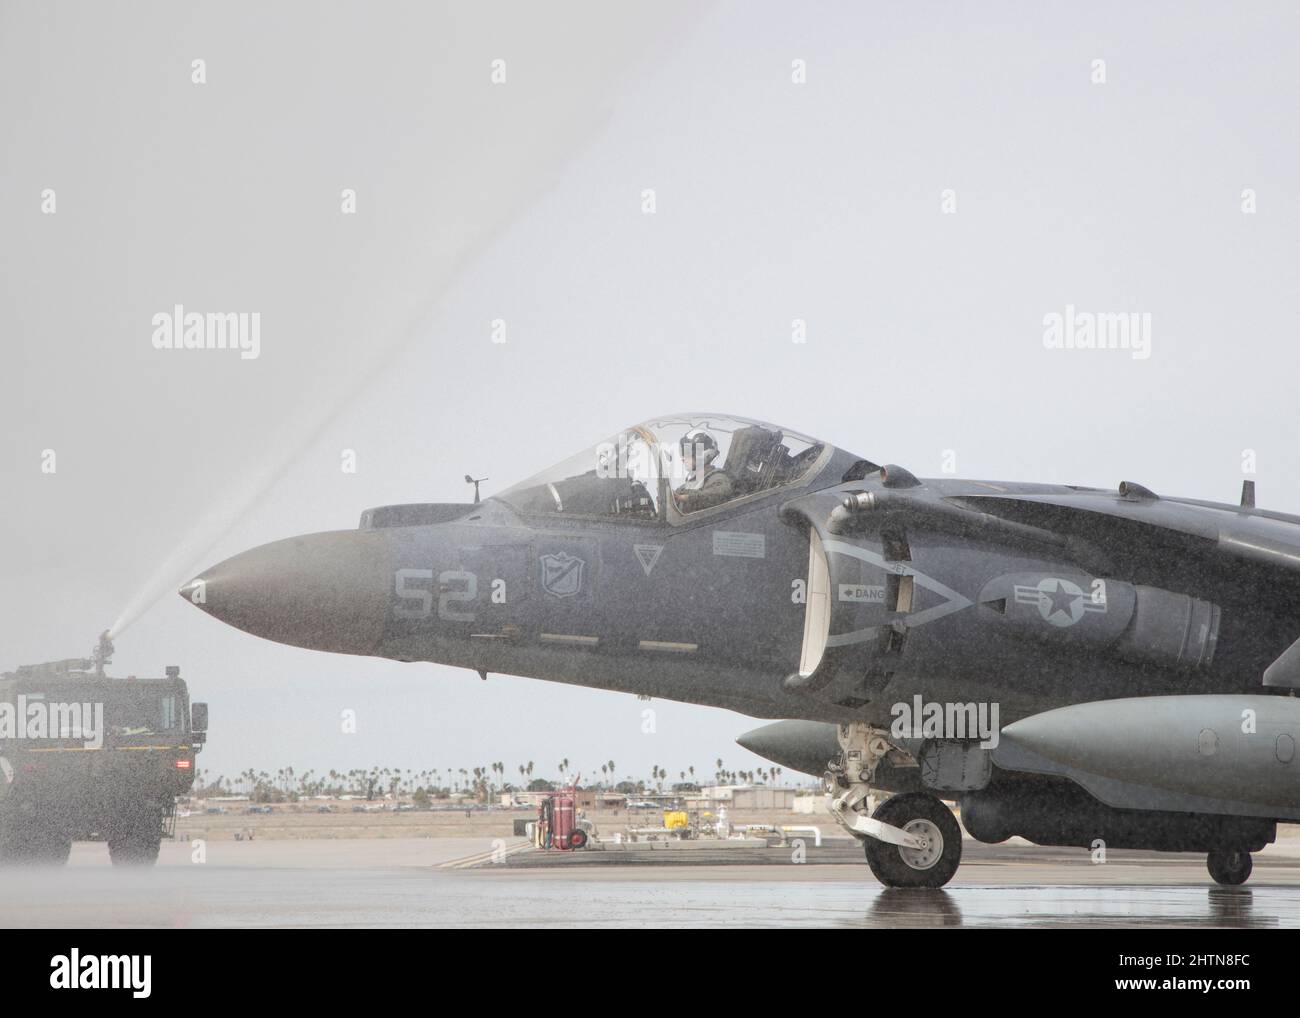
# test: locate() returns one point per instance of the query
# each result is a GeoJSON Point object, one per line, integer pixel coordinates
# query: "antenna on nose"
{"type": "Point", "coordinates": [476, 481]}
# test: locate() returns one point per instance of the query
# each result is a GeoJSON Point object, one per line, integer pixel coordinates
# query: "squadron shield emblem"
{"type": "Point", "coordinates": [562, 574]}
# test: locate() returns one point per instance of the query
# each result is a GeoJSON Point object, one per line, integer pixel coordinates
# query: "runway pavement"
{"type": "Point", "coordinates": [408, 883]}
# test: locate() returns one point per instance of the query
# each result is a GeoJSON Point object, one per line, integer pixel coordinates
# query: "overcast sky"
{"type": "Point", "coordinates": [944, 178]}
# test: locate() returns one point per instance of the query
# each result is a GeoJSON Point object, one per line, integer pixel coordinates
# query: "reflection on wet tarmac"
{"type": "Point", "coordinates": [894, 907]}
{"type": "Point", "coordinates": [398, 883]}
{"type": "Point", "coordinates": [1161, 907]}
{"type": "Point", "coordinates": [222, 896]}
{"type": "Point", "coordinates": [700, 903]}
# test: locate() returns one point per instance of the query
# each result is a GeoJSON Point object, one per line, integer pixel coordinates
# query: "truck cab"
{"type": "Point", "coordinates": [84, 756]}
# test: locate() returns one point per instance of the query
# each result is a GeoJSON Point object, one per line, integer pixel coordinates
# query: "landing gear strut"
{"type": "Point", "coordinates": [911, 840]}
{"type": "Point", "coordinates": [1229, 867]}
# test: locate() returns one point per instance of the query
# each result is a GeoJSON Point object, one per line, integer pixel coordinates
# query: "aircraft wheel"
{"type": "Point", "coordinates": [922, 814]}
{"type": "Point", "coordinates": [1229, 868]}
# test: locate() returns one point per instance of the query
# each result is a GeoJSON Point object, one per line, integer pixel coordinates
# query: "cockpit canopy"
{"type": "Point", "coordinates": [672, 467]}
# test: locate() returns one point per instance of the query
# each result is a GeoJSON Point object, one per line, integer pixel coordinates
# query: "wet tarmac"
{"type": "Point", "coordinates": [408, 883]}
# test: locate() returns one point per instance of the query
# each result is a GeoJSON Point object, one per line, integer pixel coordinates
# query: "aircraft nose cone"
{"type": "Point", "coordinates": [324, 591]}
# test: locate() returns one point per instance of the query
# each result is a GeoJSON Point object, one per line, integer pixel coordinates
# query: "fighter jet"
{"type": "Point", "coordinates": [1105, 668]}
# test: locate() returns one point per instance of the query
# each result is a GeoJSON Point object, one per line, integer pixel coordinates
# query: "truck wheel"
{"type": "Point", "coordinates": [916, 813]}
{"type": "Point", "coordinates": [1229, 868]}
{"type": "Point", "coordinates": [56, 850]}
{"type": "Point", "coordinates": [135, 839]}
{"type": "Point", "coordinates": [134, 848]}
{"type": "Point", "coordinates": [34, 845]}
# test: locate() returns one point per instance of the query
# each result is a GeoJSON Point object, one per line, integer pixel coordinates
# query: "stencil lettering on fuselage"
{"type": "Point", "coordinates": [739, 545]}
{"type": "Point", "coordinates": [863, 593]}
{"type": "Point", "coordinates": [952, 600]}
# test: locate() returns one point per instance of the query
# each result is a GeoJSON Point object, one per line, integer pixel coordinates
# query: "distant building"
{"type": "Point", "coordinates": [813, 804]}
{"type": "Point", "coordinates": [742, 797]}
{"type": "Point", "coordinates": [588, 799]}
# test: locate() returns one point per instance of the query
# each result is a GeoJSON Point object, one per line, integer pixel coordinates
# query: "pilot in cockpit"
{"type": "Point", "coordinates": [705, 485]}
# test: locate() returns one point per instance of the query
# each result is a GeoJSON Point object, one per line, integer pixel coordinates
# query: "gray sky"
{"type": "Point", "coordinates": [522, 201]}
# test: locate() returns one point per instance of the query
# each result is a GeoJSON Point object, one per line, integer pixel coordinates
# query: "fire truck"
{"type": "Point", "coordinates": [86, 756]}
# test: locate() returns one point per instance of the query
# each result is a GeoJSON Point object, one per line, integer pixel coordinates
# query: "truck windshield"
{"type": "Point", "coordinates": [134, 711]}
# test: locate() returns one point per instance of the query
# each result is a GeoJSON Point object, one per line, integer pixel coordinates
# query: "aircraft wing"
{"type": "Point", "coordinates": [1115, 520]}
{"type": "Point", "coordinates": [1246, 554]}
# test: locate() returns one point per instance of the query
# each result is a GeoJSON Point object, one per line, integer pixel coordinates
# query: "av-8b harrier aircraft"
{"type": "Point", "coordinates": [1072, 665]}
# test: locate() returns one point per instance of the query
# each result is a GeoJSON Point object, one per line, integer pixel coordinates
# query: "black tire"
{"type": "Point", "coordinates": [134, 849]}
{"type": "Point", "coordinates": [578, 839]}
{"type": "Point", "coordinates": [33, 844]}
{"type": "Point", "coordinates": [1228, 867]}
{"type": "Point", "coordinates": [917, 813]}
{"type": "Point", "coordinates": [136, 837]}
{"type": "Point", "coordinates": [57, 850]}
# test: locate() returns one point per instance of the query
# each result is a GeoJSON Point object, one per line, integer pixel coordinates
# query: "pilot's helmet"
{"type": "Point", "coordinates": [699, 445]}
